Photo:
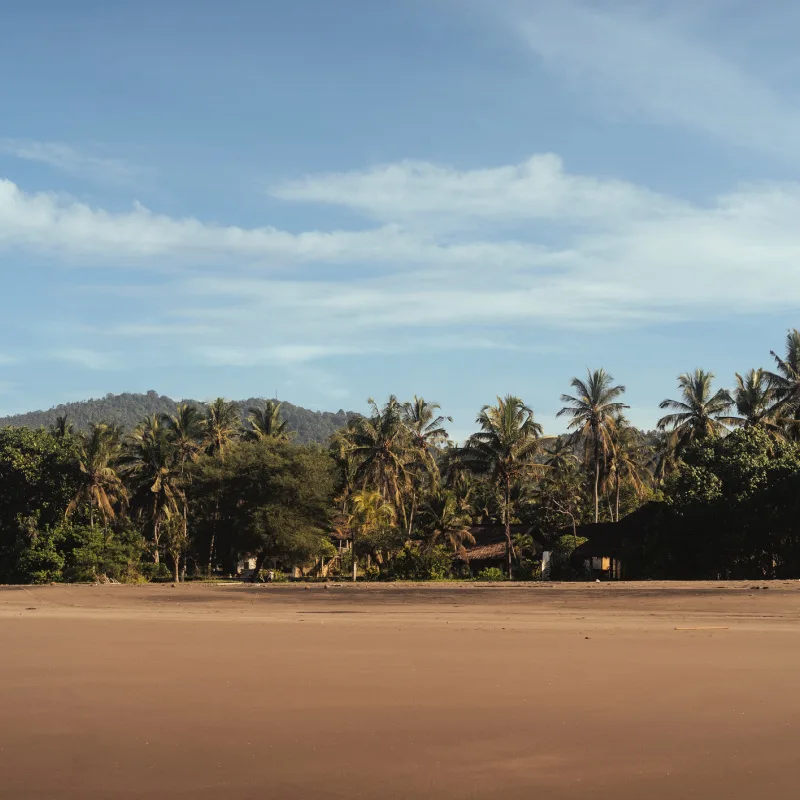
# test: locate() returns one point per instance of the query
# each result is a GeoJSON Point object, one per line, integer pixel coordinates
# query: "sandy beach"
{"type": "Point", "coordinates": [400, 691]}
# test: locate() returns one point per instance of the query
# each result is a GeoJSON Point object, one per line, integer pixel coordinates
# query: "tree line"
{"type": "Point", "coordinates": [189, 493]}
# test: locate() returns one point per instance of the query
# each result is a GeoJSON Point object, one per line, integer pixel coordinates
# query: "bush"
{"type": "Point", "coordinates": [527, 570]}
{"type": "Point", "coordinates": [41, 561]}
{"type": "Point", "coordinates": [491, 574]}
{"type": "Point", "coordinates": [415, 564]}
{"type": "Point", "coordinates": [159, 573]}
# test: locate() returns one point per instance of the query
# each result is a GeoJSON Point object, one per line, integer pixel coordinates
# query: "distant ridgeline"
{"type": "Point", "coordinates": [129, 409]}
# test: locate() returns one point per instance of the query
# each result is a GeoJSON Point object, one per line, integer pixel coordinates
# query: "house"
{"type": "Point", "coordinates": [611, 546]}
{"type": "Point", "coordinates": [489, 549]}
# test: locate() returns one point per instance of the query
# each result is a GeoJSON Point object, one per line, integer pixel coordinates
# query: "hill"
{"type": "Point", "coordinates": [129, 409]}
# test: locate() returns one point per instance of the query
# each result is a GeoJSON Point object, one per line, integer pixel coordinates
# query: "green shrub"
{"type": "Point", "coordinates": [491, 574]}
{"type": "Point", "coordinates": [41, 561]}
{"type": "Point", "coordinates": [416, 564]}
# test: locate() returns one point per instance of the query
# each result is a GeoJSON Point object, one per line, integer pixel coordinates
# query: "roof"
{"type": "Point", "coordinates": [611, 538]}
{"type": "Point", "coordinates": [490, 541]}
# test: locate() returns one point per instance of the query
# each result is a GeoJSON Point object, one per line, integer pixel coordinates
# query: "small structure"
{"type": "Point", "coordinates": [611, 545]}
{"type": "Point", "coordinates": [489, 549]}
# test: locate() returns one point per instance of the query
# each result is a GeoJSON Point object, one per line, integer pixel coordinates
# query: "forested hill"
{"type": "Point", "coordinates": [129, 409]}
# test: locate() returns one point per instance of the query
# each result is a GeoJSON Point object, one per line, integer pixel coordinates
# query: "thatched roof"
{"type": "Point", "coordinates": [490, 542]}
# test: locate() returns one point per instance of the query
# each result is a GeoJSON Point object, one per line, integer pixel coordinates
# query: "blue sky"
{"type": "Point", "coordinates": [337, 200]}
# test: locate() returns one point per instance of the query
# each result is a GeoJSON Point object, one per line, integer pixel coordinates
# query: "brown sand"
{"type": "Point", "coordinates": [570, 691]}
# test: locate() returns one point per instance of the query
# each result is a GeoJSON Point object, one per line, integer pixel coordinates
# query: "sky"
{"type": "Point", "coordinates": [459, 199]}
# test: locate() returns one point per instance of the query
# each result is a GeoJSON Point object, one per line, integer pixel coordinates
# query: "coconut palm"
{"type": "Point", "coordinates": [100, 487]}
{"type": "Point", "coordinates": [560, 456]}
{"type": "Point", "coordinates": [222, 425]}
{"type": "Point", "coordinates": [664, 458]}
{"type": "Point", "coordinates": [150, 463]}
{"type": "Point", "coordinates": [266, 423]}
{"type": "Point", "coordinates": [786, 385]}
{"type": "Point", "coordinates": [426, 428]}
{"type": "Point", "coordinates": [444, 520]}
{"type": "Point", "coordinates": [754, 398]}
{"type": "Point", "coordinates": [505, 449]}
{"type": "Point", "coordinates": [382, 447]}
{"type": "Point", "coordinates": [628, 461]}
{"type": "Point", "coordinates": [700, 413]}
{"type": "Point", "coordinates": [187, 428]}
{"type": "Point", "coordinates": [591, 411]}
{"type": "Point", "coordinates": [371, 513]}
{"type": "Point", "coordinates": [62, 428]}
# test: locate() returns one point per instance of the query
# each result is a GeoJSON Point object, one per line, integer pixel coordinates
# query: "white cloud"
{"type": "Point", "coordinates": [623, 256]}
{"type": "Point", "coordinates": [68, 159]}
{"type": "Point", "coordinates": [651, 60]}
{"type": "Point", "coordinates": [430, 194]}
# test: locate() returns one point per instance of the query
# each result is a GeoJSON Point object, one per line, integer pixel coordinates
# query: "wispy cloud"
{"type": "Point", "coordinates": [69, 159]}
{"type": "Point", "coordinates": [651, 60]}
{"type": "Point", "coordinates": [83, 357]}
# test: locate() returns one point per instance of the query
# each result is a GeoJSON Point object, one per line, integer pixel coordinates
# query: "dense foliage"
{"type": "Point", "coordinates": [198, 490]}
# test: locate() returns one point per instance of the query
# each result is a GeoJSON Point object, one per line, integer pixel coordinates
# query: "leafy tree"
{"type": "Point", "coordinates": [505, 449]}
{"type": "Point", "coordinates": [592, 412]}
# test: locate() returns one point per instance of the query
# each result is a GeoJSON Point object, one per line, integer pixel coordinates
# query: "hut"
{"type": "Point", "coordinates": [489, 549]}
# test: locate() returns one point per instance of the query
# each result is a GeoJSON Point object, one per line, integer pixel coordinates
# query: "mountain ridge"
{"type": "Point", "coordinates": [129, 408]}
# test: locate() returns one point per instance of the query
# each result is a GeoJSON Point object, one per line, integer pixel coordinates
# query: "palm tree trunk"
{"type": "Point", "coordinates": [355, 562]}
{"type": "Point", "coordinates": [596, 480]}
{"type": "Point", "coordinates": [617, 500]}
{"type": "Point", "coordinates": [176, 558]}
{"type": "Point", "coordinates": [507, 516]}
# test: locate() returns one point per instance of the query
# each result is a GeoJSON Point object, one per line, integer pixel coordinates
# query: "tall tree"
{"type": "Point", "coordinates": [754, 399]}
{"type": "Point", "coordinates": [505, 449]}
{"type": "Point", "coordinates": [100, 487]}
{"type": "Point", "coordinates": [150, 462]}
{"type": "Point", "coordinates": [371, 514]}
{"type": "Point", "coordinates": [786, 385]}
{"type": "Point", "coordinates": [591, 411]}
{"type": "Point", "coordinates": [628, 461]}
{"type": "Point", "coordinates": [266, 423]}
{"type": "Point", "coordinates": [62, 427]}
{"type": "Point", "coordinates": [222, 425]}
{"type": "Point", "coordinates": [187, 429]}
{"type": "Point", "coordinates": [700, 413]}
{"type": "Point", "coordinates": [382, 447]}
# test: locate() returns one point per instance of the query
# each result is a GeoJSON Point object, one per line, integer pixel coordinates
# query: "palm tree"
{"type": "Point", "coordinates": [381, 445]}
{"type": "Point", "coordinates": [753, 396]}
{"type": "Point", "coordinates": [150, 463]}
{"type": "Point", "coordinates": [444, 520]}
{"type": "Point", "coordinates": [426, 428]}
{"type": "Point", "coordinates": [371, 513]}
{"type": "Point", "coordinates": [560, 456]}
{"type": "Point", "coordinates": [62, 428]}
{"type": "Point", "coordinates": [628, 461]}
{"type": "Point", "coordinates": [786, 384]}
{"type": "Point", "coordinates": [591, 412]}
{"type": "Point", "coordinates": [701, 413]}
{"type": "Point", "coordinates": [187, 428]}
{"type": "Point", "coordinates": [222, 425]}
{"type": "Point", "coordinates": [100, 486]}
{"type": "Point", "coordinates": [505, 448]}
{"type": "Point", "coordinates": [266, 423]}
{"type": "Point", "coordinates": [664, 460]}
